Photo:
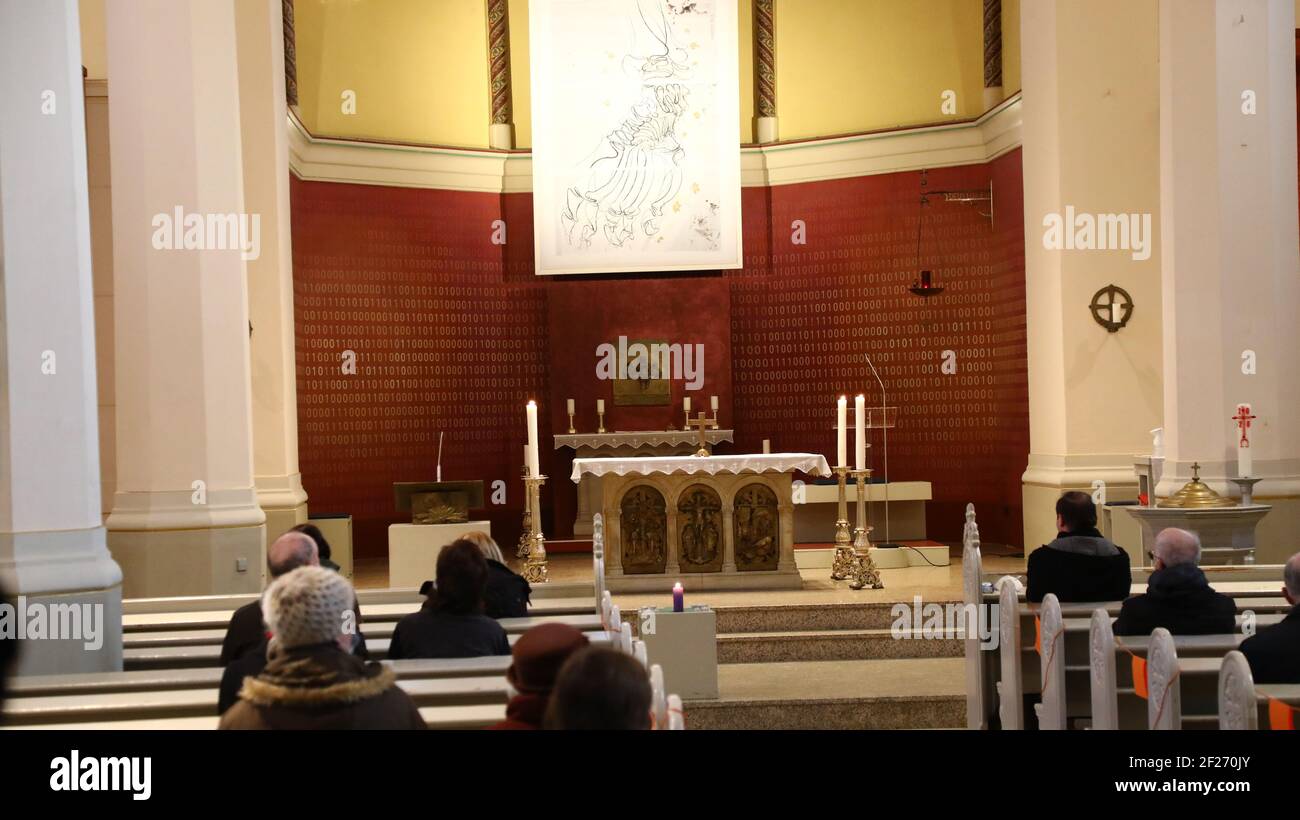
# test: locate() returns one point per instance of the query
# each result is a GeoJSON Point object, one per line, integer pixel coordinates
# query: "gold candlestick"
{"type": "Point", "coordinates": [522, 550]}
{"type": "Point", "coordinates": [535, 566]}
{"type": "Point", "coordinates": [842, 566]}
{"type": "Point", "coordinates": [600, 425]}
{"type": "Point", "coordinates": [687, 426]}
{"type": "Point", "coordinates": [864, 572]}
{"type": "Point", "coordinates": [571, 429]}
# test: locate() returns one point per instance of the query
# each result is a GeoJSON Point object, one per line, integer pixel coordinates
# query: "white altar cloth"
{"type": "Point", "coordinates": [708, 465]}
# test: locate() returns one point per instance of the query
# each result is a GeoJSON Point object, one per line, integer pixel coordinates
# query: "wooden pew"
{"type": "Point", "coordinates": [200, 637]}
{"type": "Point", "coordinates": [435, 717]}
{"type": "Point", "coordinates": [1112, 674]}
{"type": "Point", "coordinates": [1244, 704]}
{"type": "Point", "coordinates": [1064, 656]}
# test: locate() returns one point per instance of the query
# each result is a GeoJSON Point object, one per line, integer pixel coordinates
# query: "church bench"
{"type": "Point", "coordinates": [366, 597]}
{"type": "Point", "coordinates": [435, 717]}
{"type": "Point", "coordinates": [188, 637]}
{"type": "Point", "coordinates": [1065, 659]}
{"type": "Point", "coordinates": [377, 613]}
{"type": "Point", "coordinates": [179, 657]}
{"type": "Point", "coordinates": [1244, 704]}
{"type": "Point", "coordinates": [209, 677]}
{"type": "Point", "coordinates": [196, 702]}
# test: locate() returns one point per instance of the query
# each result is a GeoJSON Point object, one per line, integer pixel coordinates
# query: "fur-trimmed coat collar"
{"type": "Point", "coordinates": [316, 676]}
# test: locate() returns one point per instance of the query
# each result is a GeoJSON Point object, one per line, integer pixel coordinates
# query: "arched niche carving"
{"type": "Point", "coordinates": [700, 536]}
{"type": "Point", "coordinates": [757, 526]}
{"type": "Point", "coordinates": [643, 527]}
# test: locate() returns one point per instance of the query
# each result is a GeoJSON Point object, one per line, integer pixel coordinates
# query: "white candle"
{"type": "Point", "coordinates": [842, 413]}
{"type": "Point", "coordinates": [1245, 467]}
{"type": "Point", "coordinates": [600, 405]}
{"type": "Point", "coordinates": [533, 468]}
{"type": "Point", "coordinates": [860, 442]}
{"type": "Point", "coordinates": [767, 446]}
{"type": "Point", "coordinates": [713, 403]}
{"type": "Point", "coordinates": [686, 405]}
{"type": "Point", "coordinates": [570, 407]}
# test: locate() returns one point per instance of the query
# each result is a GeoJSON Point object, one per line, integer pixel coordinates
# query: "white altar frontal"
{"type": "Point", "coordinates": [711, 522]}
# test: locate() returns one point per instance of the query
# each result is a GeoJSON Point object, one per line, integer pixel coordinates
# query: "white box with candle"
{"type": "Point", "coordinates": [685, 644]}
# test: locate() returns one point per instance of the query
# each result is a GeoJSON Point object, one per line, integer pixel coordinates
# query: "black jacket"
{"type": "Point", "coordinates": [1181, 600]}
{"type": "Point", "coordinates": [247, 631]}
{"type": "Point", "coordinates": [507, 594]}
{"type": "Point", "coordinates": [431, 633]}
{"type": "Point", "coordinates": [1274, 653]}
{"type": "Point", "coordinates": [1076, 567]}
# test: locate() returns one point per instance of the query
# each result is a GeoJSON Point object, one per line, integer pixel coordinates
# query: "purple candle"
{"type": "Point", "coordinates": [679, 597]}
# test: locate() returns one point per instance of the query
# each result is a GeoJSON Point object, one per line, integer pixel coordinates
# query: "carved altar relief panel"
{"type": "Point", "coordinates": [644, 529]}
{"type": "Point", "coordinates": [757, 523]}
{"type": "Point", "coordinates": [699, 533]}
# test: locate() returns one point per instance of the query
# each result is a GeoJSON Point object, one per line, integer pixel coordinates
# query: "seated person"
{"type": "Point", "coordinates": [507, 593]}
{"type": "Point", "coordinates": [451, 624]}
{"type": "Point", "coordinates": [1080, 564]}
{"type": "Point", "coordinates": [600, 688]}
{"type": "Point", "coordinates": [537, 657]}
{"type": "Point", "coordinates": [1274, 654]}
{"type": "Point", "coordinates": [312, 680]}
{"type": "Point", "coordinates": [322, 546]}
{"type": "Point", "coordinates": [1178, 596]}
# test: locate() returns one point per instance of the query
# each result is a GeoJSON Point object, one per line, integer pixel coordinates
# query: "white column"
{"type": "Point", "coordinates": [185, 518]}
{"type": "Point", "coordinates": [265, 148]}
{"type": "Point", "coordinates": [1091, 96]}
{"type": "Point", "coordinates": [1230, 266]}
{"type": "Point", "coordinates": [52, 550]}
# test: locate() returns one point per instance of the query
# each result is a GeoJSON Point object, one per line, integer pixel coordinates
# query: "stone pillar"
{"type": "Point", "coordinates": [992, 53]}
{"type": "Point", "coordinates": [500, 131]}
{"type": "Point", "coordinates": [765, 124]}
{"type": "Point", "coordinates": [265, 152]}
{"type": "Point", "coordinates": [1229, 252]}
{"type": "Point", "coordinates": [185, 517]}
{"type": "Point", "coordinates": [1091, 90]}
{"type": "Point", "coordinates": [52, 549]}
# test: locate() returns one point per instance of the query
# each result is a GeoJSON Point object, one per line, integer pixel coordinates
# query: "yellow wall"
{"type": "Point", "coordinates": [93, 55]}
{"type": "Point", "coordinates": [1011, 46]}
{"type": "Point", "coordinates": [418, 68]}
{"type": "Point", "coordinates": [855, 65]}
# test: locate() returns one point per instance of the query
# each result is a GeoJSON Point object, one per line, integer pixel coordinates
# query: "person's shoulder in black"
{"type": "Point", "coordinates": [1274, 653]}
{"type": "Point", "coordinates": [507, 593]}
{"type": "Point", "coordinates": [248, 665]}
{"type": "Point", "coordinates": [246, 631]}
{"type": "Point", "coordinates": [430, 633]}
{"type": "Point", "coordinates": [1180, 599]}
{"type": "Point", "coordinates": [1079, 566]}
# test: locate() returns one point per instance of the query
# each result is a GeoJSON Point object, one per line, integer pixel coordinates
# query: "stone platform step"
{"type": "Point", "coordinates": [832, 645]}
{"type": "Point", "coordinates": [861, 694]}
{"type": "Point", "coordinates": [807, 617]}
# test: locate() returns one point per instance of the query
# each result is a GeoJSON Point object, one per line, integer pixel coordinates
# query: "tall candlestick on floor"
{"type": "Point", "coordinates": [864, 572]}
{"type": "Point", "coordinates": [842, 565]}
{"type": "Point", "coordinates": [535, 569]}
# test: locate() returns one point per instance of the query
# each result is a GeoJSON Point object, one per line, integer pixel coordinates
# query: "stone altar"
{"type": "Point", "coordinates": [716, 522]}
{"type": "Point", "coordinates": [625, 444]}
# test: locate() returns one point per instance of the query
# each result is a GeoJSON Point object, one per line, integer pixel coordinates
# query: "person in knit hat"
{"type": "Point", "coordinates": [537, 657]}
{"type": "Point", "coordinates": [311, 679]}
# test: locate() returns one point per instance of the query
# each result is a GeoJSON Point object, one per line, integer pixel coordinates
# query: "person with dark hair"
{"type": "Point", "coordinates": [1080, 564]}
{"type": "Point", "coordinates": [322, 546]}
{"type": "Point", "coordinates": [537, 657]}
{"type": "Point", "coordinates": [451, 624]}
{"type": "Point", "coordinates": [507, 593]}
{"type": "Point", "coordinates": [600, 688]}
{"type": "Point", "coordinates": [1274, 652]}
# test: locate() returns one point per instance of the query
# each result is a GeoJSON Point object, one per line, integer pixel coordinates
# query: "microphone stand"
{"type": "Point", "coordinates": [884, 422]}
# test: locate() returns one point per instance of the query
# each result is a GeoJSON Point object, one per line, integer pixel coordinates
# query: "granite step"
{"type": "Point", "coordinates": [833, 645]}
{"type": "Point", "coordinates": [806, 617]}
{"type": "Point", "coordinates": [861, 694]}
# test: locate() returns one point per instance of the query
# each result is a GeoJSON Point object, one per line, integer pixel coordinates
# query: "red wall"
{"type": "Point", "coordinates": [381, 270]}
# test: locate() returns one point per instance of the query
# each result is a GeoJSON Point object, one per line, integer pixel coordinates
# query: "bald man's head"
{"type": "Point", "coordinates": [1174, 546]}
{"type": "Point", "coordinates": [1291, 575]}
{"type": "Point", "coordinates": [290, 551]}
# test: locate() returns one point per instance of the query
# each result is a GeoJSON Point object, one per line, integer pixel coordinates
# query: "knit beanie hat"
{"type": "Point", "coordinates": [538, 655]}
{"type": "Point", "coordinates": [307, 606]}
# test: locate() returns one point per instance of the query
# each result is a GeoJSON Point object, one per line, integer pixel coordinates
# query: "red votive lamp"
{"type": "Point", "coordinates": [925, 279]}
{"type": "Point", "coordinates": [679, 597]}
